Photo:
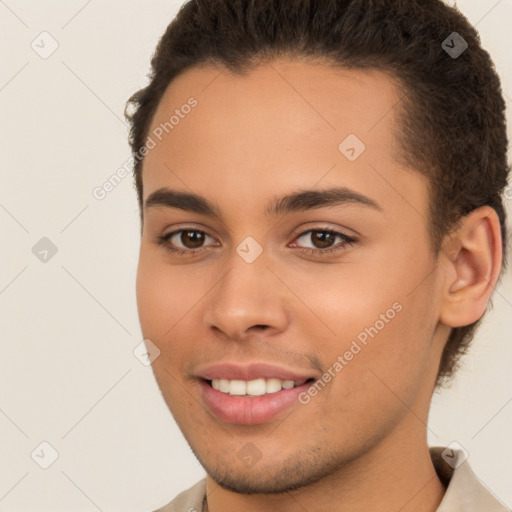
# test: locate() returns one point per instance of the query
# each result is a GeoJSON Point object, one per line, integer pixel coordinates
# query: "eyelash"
{"type": "Point", "coordinates": [346, 241]}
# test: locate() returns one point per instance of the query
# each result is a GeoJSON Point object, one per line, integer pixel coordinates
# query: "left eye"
{"type": "Point", "coordinates": [322, 239]}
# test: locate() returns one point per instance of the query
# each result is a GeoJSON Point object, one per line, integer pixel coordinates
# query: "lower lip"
{"type": "Point", "coordinates": [250, 410]}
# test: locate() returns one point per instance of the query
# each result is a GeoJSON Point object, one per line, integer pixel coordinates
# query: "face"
{"type": "Point", "coordinates": [285, 272]}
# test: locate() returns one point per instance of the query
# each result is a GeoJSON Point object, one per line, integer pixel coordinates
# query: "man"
{"type": "Point", "coordinates": [322, 229]}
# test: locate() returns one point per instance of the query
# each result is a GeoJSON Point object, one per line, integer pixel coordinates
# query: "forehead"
{"type": "Point", "coordinates": [305, 98]}
{"type": "Point", "coordinates": [282, 123]}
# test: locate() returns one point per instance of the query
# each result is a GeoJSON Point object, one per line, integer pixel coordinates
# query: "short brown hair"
{"type": "Point", "coordinates": [452, 115]}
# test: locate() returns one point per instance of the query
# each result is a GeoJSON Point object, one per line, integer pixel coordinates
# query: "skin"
{"type": "Point", "coordinates": [360, 443]}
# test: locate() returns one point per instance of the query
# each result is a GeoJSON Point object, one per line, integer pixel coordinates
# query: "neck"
{"type": "Point", "coordinates": [397, 474]}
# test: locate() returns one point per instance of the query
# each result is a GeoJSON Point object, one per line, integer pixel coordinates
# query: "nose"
{"type": "Point", "coordinates": [248, 299]}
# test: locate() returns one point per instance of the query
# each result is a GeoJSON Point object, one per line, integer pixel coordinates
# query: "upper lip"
{"type": "Point", "coordinates": [252, 371]}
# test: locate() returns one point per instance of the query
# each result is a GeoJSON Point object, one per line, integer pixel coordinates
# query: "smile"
{"type": "Point", "coordinates": [248, 402]}
{"type": "Point", "coordinates": [256, 387]}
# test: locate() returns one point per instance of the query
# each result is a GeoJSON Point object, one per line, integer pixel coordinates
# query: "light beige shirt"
{"type": "Point", "coordinates": [464, 492]}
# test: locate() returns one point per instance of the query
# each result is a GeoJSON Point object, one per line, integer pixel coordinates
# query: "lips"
{"type": "Point", "coordinates": [251, 394]}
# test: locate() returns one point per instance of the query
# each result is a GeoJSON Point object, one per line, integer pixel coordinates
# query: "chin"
{"type": "Point", "coordinates": [276, 478]}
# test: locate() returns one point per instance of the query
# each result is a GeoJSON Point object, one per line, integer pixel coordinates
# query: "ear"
{"type": "Point", "coordinates": [472, 258]}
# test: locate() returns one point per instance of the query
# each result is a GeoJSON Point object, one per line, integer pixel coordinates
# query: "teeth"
{"type": "Point", "coordinates": [273, 385]}
{"type": "Point", "coordinates": [238, 387]}
{"type": "Point", "coordinates": [223, 385]}
{"type": "Point", "coordinates": [255, 387]}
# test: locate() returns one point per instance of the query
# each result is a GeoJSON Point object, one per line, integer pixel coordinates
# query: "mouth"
{"type": "Point", "coordinates": [252, 402]}
{"type": "Point", "coordinates": [251, 393]}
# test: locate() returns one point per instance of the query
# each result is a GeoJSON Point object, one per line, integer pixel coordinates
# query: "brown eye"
{"type": "Point", "coordinates": [185, 241]}
{"type": "Point", "coordinates": [192, 239]}
{"type": "Point", "coordinates": [322, 239]}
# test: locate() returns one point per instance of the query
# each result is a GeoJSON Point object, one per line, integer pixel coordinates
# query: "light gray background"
{"type": "Point", "coordinates": [69, 326]}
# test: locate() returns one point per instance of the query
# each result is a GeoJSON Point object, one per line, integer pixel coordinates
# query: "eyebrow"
{"type": "Point", "coordinates": [300, 201]}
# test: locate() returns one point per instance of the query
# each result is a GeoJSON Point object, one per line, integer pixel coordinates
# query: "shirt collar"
{"type": "Point", "coordinates": [464, 491]}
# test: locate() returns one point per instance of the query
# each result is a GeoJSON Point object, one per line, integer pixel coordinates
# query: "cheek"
{"type": "Point", "coordinates": [381, 325]}
{"type": "Point", "coordinates": [165, 295]}
{"type": "Point", "coordinates": [372, 383]}
{"type": "Point", "coordinates": [165, 301]}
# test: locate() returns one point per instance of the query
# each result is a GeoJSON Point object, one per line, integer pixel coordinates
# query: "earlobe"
{"type": "Point", "coordinates": [473, 257]}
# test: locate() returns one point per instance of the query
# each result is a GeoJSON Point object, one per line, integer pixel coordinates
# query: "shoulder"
{"type": "Point", "coordinates": [190, 500]}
